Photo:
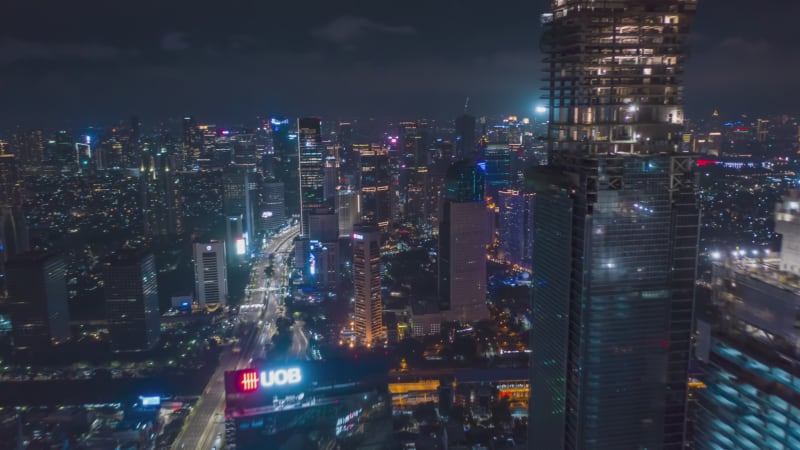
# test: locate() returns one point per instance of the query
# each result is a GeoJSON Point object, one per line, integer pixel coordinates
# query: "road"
{"type": "Point", "coordinates": [258, 313]}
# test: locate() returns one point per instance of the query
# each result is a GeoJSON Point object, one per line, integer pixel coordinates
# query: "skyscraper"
{"type": "Point", "coordinates": [131, 293]}
{"type": "Point", "coordinates": [238, 200]}
{"type": "Point", "coordinates": [273, 207]}
{"type": "Point", "coordinates": [463, 234]}
{"type": "Point", "coordinates": [375, 186]}
{"type": "Point", "coordinates": [347, 211]}
{"type": "Point", "coordinates": [513, 211]}
{"type": "Point", "coordinates": [367, 285]}
{"type": "Point", "coordinates": [615, 230]}
{"type": "Point", "coordinates": [286, 166]}
{"type": "Point", "coordinates": [311, 154]}
{"type": "Point", "coordinates": [37, 300]}
{"type": "Point", "coordinates": [465, 136]}
{"type": "Point", "coordinates": [498, 169]}
{"type": "Point", "coordinates": [210, 274]}
{"type": "Point", "coordinates": [159, 196]}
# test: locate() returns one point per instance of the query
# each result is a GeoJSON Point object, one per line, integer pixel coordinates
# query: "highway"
{"type": "Point", "coordinates": [258, 312]}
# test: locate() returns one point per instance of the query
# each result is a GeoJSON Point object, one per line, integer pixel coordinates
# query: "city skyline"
{"type": "Point", "coordinates": [70, 66]}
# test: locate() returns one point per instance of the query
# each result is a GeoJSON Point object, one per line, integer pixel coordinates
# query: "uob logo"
{"type": "Point", "coordinates": [280, 377]}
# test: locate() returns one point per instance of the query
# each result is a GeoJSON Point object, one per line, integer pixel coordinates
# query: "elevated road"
{"type": "Point", "coordinates": [257, 316]}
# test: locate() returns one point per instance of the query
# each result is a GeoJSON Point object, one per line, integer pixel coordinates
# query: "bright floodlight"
{"type": "Point", "coordinates": [541, 109]}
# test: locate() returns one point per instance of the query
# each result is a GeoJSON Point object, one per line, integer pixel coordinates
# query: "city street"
{"type": "Point", "coordinates": [205, 428]}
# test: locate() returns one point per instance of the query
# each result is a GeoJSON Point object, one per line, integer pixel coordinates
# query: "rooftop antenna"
{"type": "Point", "coordinates": [466, 104]}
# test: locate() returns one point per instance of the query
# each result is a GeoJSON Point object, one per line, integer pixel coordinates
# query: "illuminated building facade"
{"type": "Point", "coordinates": [615, 230]}
{"type": "Point", "coordinates": [498, 169]}
{"type": "Point", "coordinates": [748, 353]}
{"type": "Point", "coordinates": [286, 166]}
{"type": "Point", "coordinates": [615, 75]}
{"type": "Point", "coordinates": [515, 227]}
{"type": "Point", "coordinates": [375, 206]}
{"type": "Point", "coordinates": [311, 154]}
{"type": "Point", "coordinates": [367, 285]}
{"type": "Point", "coordinates": [340, 403]}
{"type": "Point", "coordinates": [131, 293]}
{"type": "Point", "coordinates": [273, 206]}
{"type": "Point", "coordinates": [210, 274]}
{"type": "Point", "coordinates": [160, 196]}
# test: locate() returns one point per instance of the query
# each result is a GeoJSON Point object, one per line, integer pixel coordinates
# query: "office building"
{"type": "Point", "coordinates": [37, 300]}
{"type": "Point", "coordinates": [787, 223]}
{"type": "Point", "coordinates": [615, 231]}
{"type": "Point", "coordinates": [465, 136]}
{"type": "Point", "coordinates": [238, 200]}
{"type": "Point", "coordinates": [498, 169]}
{"type": "Point", "coordinates": [747, 352]}
{"type": "Point", "coordinates": [514, 221]}
{"type": "Point", "coordinates": [210, 274]}
{"type": "Point", "coordinates": [347, 203]}
{"type": "Point", "coordinates": [331, 403]}
{"type": "Point", "coordinates": [375, 206]}
{"type": "Point", "coordinates": [273, 207]}
{"type": "Point", "coordinates": [284, 144]}
{"type": "Point", "coordinates": [131, 293]}
{"type": "Point", "coordinates": [160, 196]}
{"type": "Point", "coordinates": [311, 154]}
{"type": "Point", "coordinates": [368, 329]}
{"type": "Point", "coordinates": [463, 235]}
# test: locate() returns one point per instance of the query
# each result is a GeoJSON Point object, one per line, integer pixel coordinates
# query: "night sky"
{"type": "Point", "coordinates": [69, 63]}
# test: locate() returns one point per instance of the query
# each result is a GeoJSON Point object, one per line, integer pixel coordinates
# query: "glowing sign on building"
{"type": "Point", "coordinates": [240, 247]}
{"type": "Point", "coordinates": [249, 380]}
{"type": "Point", "coordinates": [358, 237]}
{"type": "Point", "coordinates": [151, 401]}
{"type": "Point", "coordinates": [266, 214]}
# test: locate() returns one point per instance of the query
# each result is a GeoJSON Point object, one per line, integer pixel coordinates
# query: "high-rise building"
{"type": "Point", "coordinates": [465, 136]}
{"type": "Point", "coordinates": [498, 169]}
{"type": "Point", "coordinates": [747, 352]}
{"type": "Point", "coordinates": [311, 154]}
{"type": "Point", "coordinates": [463, 235]}
{"type": "Point", "coordinates": [238, 200]}
{"type": "Point", "coordinates": [37, 300]}
{"type": "Point", "coordinates": [192, 141]}
{"type": "Point", "coordinates": [210, 274]}
{"type": "Point", "coordinates": [347, 203]}
{"type": "Point", "coordinates": [375, 206]}
{"type": "Point", "coordinates": [615, 230]}
{"type": "Point", "coordinates": [11, 217]}
{"type": "Point", "coordinates": [514, 210]}
{"type": "Point", "coordinates": [131, 293]}
{"type": "Point", "coordinates": [159, 196]}
{"type": "Point", "coordinates": [367, 285]}
{"type": "Point", "coordinates": [286, 165]}
{"type": "Point", "coordinates": [787, 223]}
{"type": "Point", "coordinates": [348, 159]}
{"type": "Point", "coordinates": [273, 207]}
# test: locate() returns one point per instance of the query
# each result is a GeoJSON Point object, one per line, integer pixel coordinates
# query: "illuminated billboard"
{"type": "Point", "coordinates": [251, 380]}
{"type": "Point", "coordinates": [151, 401]}
{"type": "Point", "coordinates": [240, 247]}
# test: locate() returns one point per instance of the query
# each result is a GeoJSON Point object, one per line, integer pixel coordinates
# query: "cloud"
{"type": "Point", "coordinates": [745, 45]}
{"type": "Point", "coordinates": [347, 28]}
{"type": "Point", "coordinates": [14, 51]}
{"type": "Point", "coordinates": [173, 41]}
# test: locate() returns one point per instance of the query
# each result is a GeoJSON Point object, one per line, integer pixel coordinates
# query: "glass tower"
{"type": "Point", "coordinates": [615, 230]}
{"type": "Point", "coordinates": [311, 154]}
